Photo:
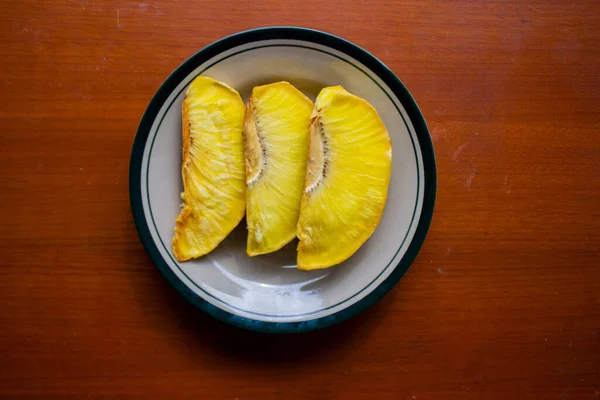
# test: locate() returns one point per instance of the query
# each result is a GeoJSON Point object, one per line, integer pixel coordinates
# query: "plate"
{"type": "Point", "coordinates": [267, 293]}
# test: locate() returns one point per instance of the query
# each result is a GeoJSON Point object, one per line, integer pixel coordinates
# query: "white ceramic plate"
{"type": "Point", "coordinates": [267, 293]}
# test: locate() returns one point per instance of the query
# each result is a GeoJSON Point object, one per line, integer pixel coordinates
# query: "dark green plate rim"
{"type": "Point", "coordinates": [307, 35]}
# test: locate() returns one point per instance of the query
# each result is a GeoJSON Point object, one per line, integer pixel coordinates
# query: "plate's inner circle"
{"type": "Point", "coordinates": [270, 288]}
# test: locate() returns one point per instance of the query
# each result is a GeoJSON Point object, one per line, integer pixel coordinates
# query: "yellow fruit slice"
{"type": "Point", "coordinates": [276, 143]}
{"type": "Point", "coordinates": [212, 168]}
{"type": "Point", "coordinates": [348, 173]}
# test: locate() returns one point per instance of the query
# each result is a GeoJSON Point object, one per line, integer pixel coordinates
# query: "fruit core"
{"type": "Point", "coordinates": [316, 170]}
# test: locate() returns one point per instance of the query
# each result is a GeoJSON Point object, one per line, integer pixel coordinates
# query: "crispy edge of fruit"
{"type": "Point", "coordinates": [367, 233]}
{"type": "Point", "coordinates": [254, 156]}
{"type": "Point", "coordinates": [185, 212]}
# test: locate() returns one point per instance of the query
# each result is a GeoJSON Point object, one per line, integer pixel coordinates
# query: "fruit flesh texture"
{"type": "Point", "coordinates": [348, 174]}
{"type": "Point", "coordinates": [276, 143]}
{"type": "Point", "coordinates": [212, 168]}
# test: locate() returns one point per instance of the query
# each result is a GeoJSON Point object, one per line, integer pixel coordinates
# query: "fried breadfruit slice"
{"type": "Point", "coordinates": [348, 173]}
{"type": "Point", "coordinates": [212, 168]}
{"type": "Point", "coordinates": [276, 144]}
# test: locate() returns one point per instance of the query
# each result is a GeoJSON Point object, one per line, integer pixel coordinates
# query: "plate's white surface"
{"type": "Point", "coordinates": [269, 288]}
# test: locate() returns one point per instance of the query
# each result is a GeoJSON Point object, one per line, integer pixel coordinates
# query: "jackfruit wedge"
{"type": "Point", "coordinates": [348, 174]}
{"type": "Point", "coordinates": [212, 168]}
{"type": "Point", "coordinates": [276, 143]}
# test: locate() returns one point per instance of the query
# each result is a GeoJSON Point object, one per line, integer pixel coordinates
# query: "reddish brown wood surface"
{"type": "Point", "coordinates": [503, 301]}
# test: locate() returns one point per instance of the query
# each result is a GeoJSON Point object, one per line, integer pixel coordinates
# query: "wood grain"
{"type": "Point", "coordinates": [503, 301]}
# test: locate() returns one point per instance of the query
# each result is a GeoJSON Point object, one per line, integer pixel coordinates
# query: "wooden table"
{"type": "Point", "coordinates": [503, 301]}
